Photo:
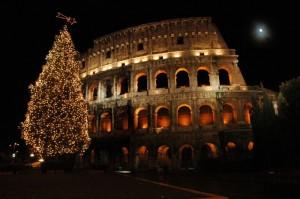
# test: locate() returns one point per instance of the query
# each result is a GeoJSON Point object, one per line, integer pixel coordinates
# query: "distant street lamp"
{"type": "Point", "coordinates": [31, 155]}
{"type": "Point", "coordinates": [14, 149]}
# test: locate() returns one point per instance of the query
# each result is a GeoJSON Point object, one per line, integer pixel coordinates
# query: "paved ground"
{"type": "Point", "coordinates": [88, 185]}
{"type": "Point", "coordinates": [236, 185]}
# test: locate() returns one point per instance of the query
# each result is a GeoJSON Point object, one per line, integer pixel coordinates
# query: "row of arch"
{"type": "Point", "coordinates": [186, 153]}
{"type": "Point", "coordinates": [182, 79]}
{"type": "Point", "coordinates": [163, 118]}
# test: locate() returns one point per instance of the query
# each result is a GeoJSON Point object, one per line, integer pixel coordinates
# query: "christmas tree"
{"type": "Point", "coordinates": [56, 120]}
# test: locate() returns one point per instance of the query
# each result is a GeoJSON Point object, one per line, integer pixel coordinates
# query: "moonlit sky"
{"type": "Point", "coordinates": [261, 32]}
{"type": "Point", "coordinates": [28, 29]}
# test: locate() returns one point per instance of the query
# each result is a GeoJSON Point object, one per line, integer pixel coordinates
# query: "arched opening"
{"type": "Point", "coordinates": [230, 146]}
{"type": "Point", "coordinates": [182, 79]}
{"type": "Point", "coordinates": [142, 157]}
{"type": "Point", "coordinates": [231, 151]}
{"type": "Point", "coordinates": [203, 78]}
{"type": "Point", "coordinates": [209, 151]}
{"type": "Point", "coordinates": [208, 157]}
{"type": "Point", "coordinates": [93, 91]}
{"type": "Point", "coordinates": [162, 80]}
{"type": "Point", "coordinates": [184, 116]}
{"type": "Point", "coordinates": [164, 156]}
{"type": "Point", "coordinates": [163, 118]}
{"type": "Point", "coordinates": [206, 115]}
{"type": "Point", "coordinates": [228, 117]}
{"type": "Point", "coordinates": [142, 119]}
{"type": "Point", "coordinates": [224, 77]}
{"type": "Point", "coordinates": [108, 89]}
{"type": "Point", "coordinates": [247, 113]}
{"type": "Point", "coordinates": [122, 121]}
{"type": "Point", "coordinates": [123, 86]}
{"type": "Point", "coordinates": [124, 158]}
{"type": "Point", "coordinates": [142, 83]}
{"type": "Point", "coordinates": [105, 122]}
{"type": "Point", "coordinates": [250, 146]}
{"type": "Point", "coordinates": [186, 156]}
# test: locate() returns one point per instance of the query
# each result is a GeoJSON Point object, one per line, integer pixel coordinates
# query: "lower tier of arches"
{"type": "Point", "coordinates": [173, 152]}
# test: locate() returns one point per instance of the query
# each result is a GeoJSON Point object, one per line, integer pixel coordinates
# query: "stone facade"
{"type": "Point", "coordinates": [166, 94]}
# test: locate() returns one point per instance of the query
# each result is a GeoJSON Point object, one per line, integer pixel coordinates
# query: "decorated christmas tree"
{"type": "Point", "coordinates": [56, 120]}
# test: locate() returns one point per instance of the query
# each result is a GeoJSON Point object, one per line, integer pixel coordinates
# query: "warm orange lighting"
{"type": "Point", "coordinates": [184, 116]}
{"type": "Point", "coordinates": [125, 151]}
{"type": "Point", "coordinates": [219, 52]}
{"type": "Point", "coordinates": [206, 115]}
{"type": "Point", "coordinates": [163, 121]}
{"type": "Point", "coordinates": [125, 123]}
{"type": "Point", "coordinates": [250, 146]}
{"type": "Point", "coordinates": [184, 120]}
{"type": "Point", "coordinates": [163, 155]}
{"type": "Point", "coordinates": [212, 150]}
{"type": "Point", "coordinates": [142, 152]}
{"type": "Point", "coordinates": [177, 54]}
{"type": "Point", "coordinates": [247, 116]}
{"type": "Point", "coordinates": [143, 119]}
{"type": "Point", "coordinates": [163, 118]}
{"type": "Point", "coordinates": [105, 122]}
{"type": "Point", "coordinates": [227, 114]}
{"type": "Point", "coordinates": [230, 146]}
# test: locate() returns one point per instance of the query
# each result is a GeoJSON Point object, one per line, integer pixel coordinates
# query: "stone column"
{"type": "Point", "coordinates": [149, 79]}
{"type": "Point", "coordinates": [172, 80]}
{"type": "Point", "coordinates": [115, 94]}
{"type": "Point", "coordinates": [150, 119]}
{"type": "Point", "coordinates": [99, 91]}
{"type": "Point", "coordinates": [193, 77]}
{"type": "Point", "coordinates": [214, 80]}
{"type": "Point", "coordinates": [195, 114]}
{"type": "Point", "coordinates": [97, 117]}
{"type": "Point", "coordinates": [239, 108]}
{"type": "Point", "coordinates": [173, 116]}
{"type": "Point", "coordinates": [132, 82]}
{"type": "Point", "coordinates": [214, 74]}
{"type": "Point", "coordinates": [219, 111]}
{"type": "Point", "coordinates": [112, 119]}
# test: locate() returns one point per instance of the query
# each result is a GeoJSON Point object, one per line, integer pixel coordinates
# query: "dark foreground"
{"type": "Point", "coordinates": [179, 185]}
{"type": "Point", "coordinates": [237, 185]}
{"type": "Point", "coordinates": [86, 185]}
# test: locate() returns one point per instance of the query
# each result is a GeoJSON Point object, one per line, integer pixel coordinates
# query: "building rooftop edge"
{"type": "Point", "coordinates": [153, 23]}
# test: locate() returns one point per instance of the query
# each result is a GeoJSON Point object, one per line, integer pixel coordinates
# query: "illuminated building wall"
{"type": "Point", "coordinates": [171, 83]}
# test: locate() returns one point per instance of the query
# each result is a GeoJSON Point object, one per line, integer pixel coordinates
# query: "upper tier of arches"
{"type": "Point", "coordinates": [174, 35]}
{"type": "Point", "coordinates": [161, 79]}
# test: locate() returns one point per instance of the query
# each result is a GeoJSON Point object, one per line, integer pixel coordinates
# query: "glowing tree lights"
{"type": "Point", "coordinates": [56, 120]}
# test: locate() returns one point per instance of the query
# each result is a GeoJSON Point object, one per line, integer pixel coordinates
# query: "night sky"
{"type": "Point", "coordinates": [28, 29]}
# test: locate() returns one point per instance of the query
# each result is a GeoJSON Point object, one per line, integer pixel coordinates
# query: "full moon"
{"type": "Point", "coordinates": [261, 32]}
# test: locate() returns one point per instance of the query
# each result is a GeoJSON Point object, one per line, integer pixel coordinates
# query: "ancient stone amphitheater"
{"type": "Point", "coordinates": [166, 94]}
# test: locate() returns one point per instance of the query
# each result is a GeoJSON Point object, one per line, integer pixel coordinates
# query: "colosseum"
{"type": "Point", "coordinates": [166, 94]}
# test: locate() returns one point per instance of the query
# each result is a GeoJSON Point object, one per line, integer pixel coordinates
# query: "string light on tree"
{"type": "Point", "coordinates": [56, 120]}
